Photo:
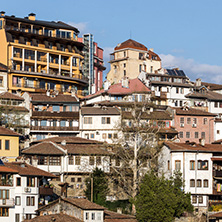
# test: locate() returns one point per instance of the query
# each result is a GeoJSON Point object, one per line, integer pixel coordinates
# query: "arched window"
{"type": "Point", "coordinates": [199, 183]}
{"type": "Point", "coordinates": [205, 183]}
{"type": "Point", "coordinates": [192, 183]}
{"type": "Point", "coordinates": [192, 165]}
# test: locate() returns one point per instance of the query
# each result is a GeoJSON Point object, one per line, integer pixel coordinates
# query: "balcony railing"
{"type": "Point", "coordinates": [55, 128]}
{"type": "Point", "coordinates": [7, 202]}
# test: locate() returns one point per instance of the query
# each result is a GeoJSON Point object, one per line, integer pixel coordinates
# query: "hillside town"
{"type": "Point", "coordinates": [61, 121]}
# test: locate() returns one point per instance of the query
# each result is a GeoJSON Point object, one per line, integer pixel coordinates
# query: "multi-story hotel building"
{"type": "Point", "coordinates": [41, 55]}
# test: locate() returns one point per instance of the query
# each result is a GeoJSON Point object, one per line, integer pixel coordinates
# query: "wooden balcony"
{"type": "Point", "coordinates": [55, 128]}
{"type": "Point", "coordinates": [45, 191]}
{"type": "Point", "coordinates": [217, 173]}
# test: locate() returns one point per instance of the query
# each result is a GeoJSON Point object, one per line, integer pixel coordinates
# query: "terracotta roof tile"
{"type": "Point", "coordinates": [69, 139]}
{"type": "Point", "coordinates": [208, 148]}
{"type": "Point", "coordinates": [114, 216]}
{"type": "Point", "coordinates": [132, 44]}
{"type": "Point", "coordinates": [100, 111]}
{"type": "Point", "coordinates": [8, 95]}
{"type": "Point", "coordinates": [135, 86]}
{"type": "Point", "coordinates": [7, 170]}
{"type": "Point", "coordinates": [44, 148]}
{"type": "Point", "coordinates": [25, 169]}
{"type": "Point", "coordinates": [8, 132]}
{"type": "Point", "coordinates": [54, 217]}
{"type": "Point", "coordinates": [208, 95]}
{"type": "Point", "coordinates": [193, 112]}
{"type": "Point", "coordinates": [83, 203]}
{"type": "Point", "coordinates": [61, 98]}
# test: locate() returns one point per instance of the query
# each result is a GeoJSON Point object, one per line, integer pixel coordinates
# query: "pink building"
{"type": "Point", "coordinates": [194, 124]}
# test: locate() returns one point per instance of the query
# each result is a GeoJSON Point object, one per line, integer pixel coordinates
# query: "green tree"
{"type": "Point", "coordinates": [161, 199]}
{"type": "Point", "coordinates": [100, 186]}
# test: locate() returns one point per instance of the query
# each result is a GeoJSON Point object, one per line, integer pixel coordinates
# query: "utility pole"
{"type": "Point", "coordinates": [91, 189]}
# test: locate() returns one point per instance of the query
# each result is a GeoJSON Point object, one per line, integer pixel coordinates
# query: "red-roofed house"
{"type": "Point", "coordinates": [129, 59]}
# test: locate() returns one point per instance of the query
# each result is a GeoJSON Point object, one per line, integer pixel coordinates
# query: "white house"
{"type": "Point", "coordinates": [19, 191]}
{"type": "Point", "coordinates": [200, 167]}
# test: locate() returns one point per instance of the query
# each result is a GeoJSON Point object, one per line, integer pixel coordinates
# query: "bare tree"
{"type": "Point", "coordinates": [137, 147]}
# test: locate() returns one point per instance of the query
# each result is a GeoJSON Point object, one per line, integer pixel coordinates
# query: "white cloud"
{"type": "Point", "coordinates": [81, 26]}
{"type": "Point", "coordinates": [210, 73]}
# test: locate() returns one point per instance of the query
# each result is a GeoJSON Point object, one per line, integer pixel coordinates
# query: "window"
{"type": "Point", "coordinates": [91, 160]}
{"type": "Point", "coordinates": [99, 216]}
{"type": "Point", "coordinates": [87, 120]}
{"type": "Point", "coordinates": [117, 162]}
{"type": "Point", "coordinates": [181, 120]}
{"type": "Point", "coordinates": [177, 164]}
{"type": "Point", "coordinates": [32, 201]}
{"type": "Point", "coordinates": [115, 136]}
{"type": "Point", "coordinates": [42, 160]}
{"type": "Point", "coordinates": [177, 90]}
{"type": "Point", "coordinates": [105, 120]}
{"type": "Point", "coordinates": [200, 199]}
{"type": "Point", "coordinates": [181, 103]}
{"type": "Point", "coordinates": [87, 216]}
{"type": "Point", "coordinates": [4, 194]}
{"type": "Point", "coordinates": [77, 160]}
{"type": "Point", "coordinates": [196, 135]}
{"type": "Point", "coordinates": [140, 68]}
{"type": "Point", "coordinates": [28, 216]}
{"type": "Point", "coordinates": [62, 123]}
{"type": "Point", "coordinates": [28, 201]}
{"type": "Point", "coordinates": [168, 165]}
{"type": "Point", "coordinates": [86, 135]}
{"type": "Point", "coordinates": [98, 160]}
{"type": "Point", "coordinates": [43, 123]}
{"type": "Point", "coordinates": [54, 160]}
{"type": "Point", "coordinates": [218, 131]}
{"type": "Point", "coordinates": [93, 216]}
{"type": "Point", "coordinates": [192, 183]}
{"type": "Point", "coordinates": [194, 122]}
{"type": "Point", "coordinates": [104, 136]}
{"type": "Point", "coordinates": [205, 183]}
{"type": "Point", "coordinates": [56, 108]}
{"type": "Point", "coordinates": [204, 121]}
{"type": "Point", "coordinates": [7, 144]}
{"type": "Point", "coordinates": [17, 201]}
{"type": "Point", "coordinates": [0, 144]}
{"type": "Point", "coordinates": [203, 135]}
{"type": "Point", "coordinates": [18, 181]}
{"type": "Point", "coordinates": [199, 183]}
{"type": "Point", "coordinates": [30, 181]}
{"type": "Point", "coordinates": [71, 161]}
{"type": "Point", "coordinates": [192, 165]}
{"type": "Point", "coordinates": [188, 120]}
{"type": "Point", "coordinates": [109, 135]}
{"type": "Point", "coordinates": [92, 135]}
{"type": "Point", "coordinates": [4, 212]}
{"type": "Point", "coordinates": [79, 179]}
{"type": "Point", "coordinates": [181, 134]}
{"type": "Point", "coordinates": [17, 218]}
{"type": "Point", "coordinates": [202, 165]}
{"type": "Point", "coordinates": [216, 104]}
{"type": "Point", "coordinates": [187, 134]}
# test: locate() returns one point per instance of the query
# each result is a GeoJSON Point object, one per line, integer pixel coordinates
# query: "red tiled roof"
{"type": "Point", "coordinates": [193, 112]}
{"type": "Point", "coordinates": [8, 95]}
{"type": "Point", "coordinates": [44, 148]}
{"type": "Point", "coordinates": [132, 44]}
{"type": "Point", "coordinates": [54, 217]}
{"type": "Point", "coordinates": [135, 86]}
{"type": "Point", "coordinates": [59, 98]}
{"type": "Point", "coordinates": [111, 216]}
{"type": "Point", "coordinates": [25, 169]}
{"type": "Point", "coordinates": [7, 170]}
{"type": "Point", "coordinates": [208, 95]}
{"type": "Point", "coordinates": [189, 147]}
{"type": "Point", "coordinates": [69, 139]}
{"type": "Point", "coordinates": [8, 132]}
{"type": "Point", "coordinates": [83, 203]}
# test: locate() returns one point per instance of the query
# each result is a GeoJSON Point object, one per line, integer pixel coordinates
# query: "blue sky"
{"type": "Point", "coordinates": [186, 34]}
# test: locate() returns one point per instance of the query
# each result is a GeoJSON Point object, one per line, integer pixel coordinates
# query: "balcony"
{"type": "Point", "coordinates": [160, 95]}
{"type": "Point", "coordinates": [217, 173]}
{"type": "Point", "coordinates": [55, 128]}
{"type": "Point", "coordinates": [45, 191]}
{"type": "Point", "coordinates": [7, 202]}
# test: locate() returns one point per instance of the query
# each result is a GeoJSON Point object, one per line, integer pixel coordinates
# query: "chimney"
{"type": "Point", "coordinates": [202, 142]}
{"type": "Point", "coordinates": [198, 82]}
{"type": "Point", "coordinates": [2, 13]}
{"type": "Point", "coordinates": [63, 143]}
{"type": "Point", "coordinates": [125, 82]}
{"type": "Point", "coordinates": [32, 16]}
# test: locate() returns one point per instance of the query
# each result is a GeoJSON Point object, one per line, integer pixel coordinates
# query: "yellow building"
{"type": "Point", "coordinates": [129, 59]}
{"type": "Point", "coordinates": [41, 55]}
{"type": "Point", "coordinates": [9, 144]}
